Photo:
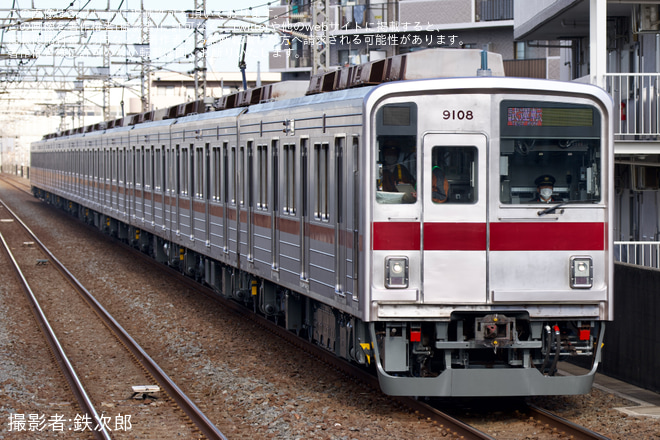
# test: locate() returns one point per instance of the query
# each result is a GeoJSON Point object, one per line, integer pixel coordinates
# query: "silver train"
{"type": "Point", "coordinates": [396, 224]}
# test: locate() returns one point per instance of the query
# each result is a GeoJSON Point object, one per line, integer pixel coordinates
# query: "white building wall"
{"type": "Point", "coordinates": [435, 12]}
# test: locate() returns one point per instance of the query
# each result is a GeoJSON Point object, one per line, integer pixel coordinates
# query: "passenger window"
{"type": "Point", "coordinates": [452, 175]}
{"type": "Point", "coordinates": [396, 158]}
{"type": "Point", "coordinates": [549, 153]}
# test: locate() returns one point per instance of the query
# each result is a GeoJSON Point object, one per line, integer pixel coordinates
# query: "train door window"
{"type": "Point", "coordinates": [190, 182]}
{"type": "Point", "coordinates": [183, 172]}
{"type": "Point", "coordinates": [290, 179]}
{"type": "Point", "coordinates": [232, 177]}
{"type": "Point", "coordinates": [199, 173]}
{"type": "Point", "coordinates": [250, 175]}
{"type": "Point", "coordinates": [321, 166]}
{"type": "Point", "coordinates": [206, 182]}
{"type": "Point", "coordinates": [262, 172]}
{"type": "Point", "coordinates": [115, 160]}
{"type": "Point", "coordinates": [276, 175]}
{"type": "Point", "coordinates": [549, 152]}
{"type": "Point", "coordinates": [216, 158]}
{"type": "Point", "coordinates": [120, 167]}
{"type": "Point", "coordinates": [176, 169]}
{"type": "Point", "coordinates": [107, 163]}
{"type": "Point", "coordinates": [139, 167]}
{"type": "Point", "coordinates": [396, 158]}
{"type": "Point", "coordinates": [148, 167]}
{"type": "Point", "coordinates": [162, 163]}
{"type": "Point", "coordinates": [158, 170]}
{"type": "Point", "coordinates": [241, 176]}
{"type": "Point", "coordinates": [453, 177]}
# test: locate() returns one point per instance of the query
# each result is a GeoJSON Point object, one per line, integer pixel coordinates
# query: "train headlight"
{"type": "Point", "coordinates": [582, 272]}
{"type": "Point", "coordinates": [396, 272]}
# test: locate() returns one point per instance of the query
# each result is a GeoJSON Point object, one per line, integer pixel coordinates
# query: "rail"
{"type": "Point", "coordinates": [56, 348]}
{"type": "Point", "coordinates": [636, 96]}
{"type": "Point", "coordinates": [164, 381]}
{"type": "Point", "coordinates": [639, 253]}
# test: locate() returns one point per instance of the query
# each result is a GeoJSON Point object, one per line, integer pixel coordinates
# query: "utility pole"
{"type": "Point", "coordinates": [145, 77]}
{"type": "Point", "coordinates": [200, 49]}
{"type": "Point", "coordinates": [320, 36]}
{"type": "Point", "coordinates": [106, 81]}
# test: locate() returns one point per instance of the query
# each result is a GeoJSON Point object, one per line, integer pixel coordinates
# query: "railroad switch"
{"type": "Point", "coordinates": [42, 262]}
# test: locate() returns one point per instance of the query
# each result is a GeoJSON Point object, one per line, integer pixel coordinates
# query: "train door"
{"type": "Point", "coordinates": [304, 211]}
{"type": "Point", "coordinates": [141, 183]}
{"type": "Point", "coordinates": [454, 227]}
{"type": "Point", "coordinates": [171, 185]}
{"type": "Point", "coordinates": [199, 193]}
{"type": "Point", "coordinates": [159, 187]}
{"type": "Point", "coordinates": [340, 219]}
{"type": "Point", "coordinates": [207, 195]}
{"type": "Point", "coordinates": [397, 207]}
{"type": "Point", "coordinates": [233, 211]}
{"type": "Point", "coordinates": [225, 197]}
{"type": "Point", "coordinates": [249, 196]}
{"type": "Point", "coordinates": [132, 183]}
{"type": "Point", "coordinates": [275, 211]}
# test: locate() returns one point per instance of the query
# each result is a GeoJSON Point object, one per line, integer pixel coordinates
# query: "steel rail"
{"type": "Point", "coordinates": [566, 427]}
{"type": "Point", "coordinates": [76, 386]}
{"type": "Point", "coordinates": [186, 404]}
{"type": "Point", "coordinates": [456, 427]}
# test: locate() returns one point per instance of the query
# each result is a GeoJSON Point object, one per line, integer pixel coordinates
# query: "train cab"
{"type": "Point", "coordinates": [490, 227]}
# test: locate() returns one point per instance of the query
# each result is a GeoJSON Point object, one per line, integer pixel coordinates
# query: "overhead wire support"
{"type": "Point", "coordinates": [320, 36]}
{"type": "Point", "coordinates": [199, 21]}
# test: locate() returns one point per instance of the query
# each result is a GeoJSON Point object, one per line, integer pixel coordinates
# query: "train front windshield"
{"type": "Point", "coordinates": [549, 153]}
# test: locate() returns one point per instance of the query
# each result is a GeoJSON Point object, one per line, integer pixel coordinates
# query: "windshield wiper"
{"type": "Point", "coordinates": [553, 208]}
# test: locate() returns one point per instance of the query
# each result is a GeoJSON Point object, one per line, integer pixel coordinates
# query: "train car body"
{"type": "Point", "coordinates": [286, 206]}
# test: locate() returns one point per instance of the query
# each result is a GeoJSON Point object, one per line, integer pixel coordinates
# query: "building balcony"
{"type": "Point", "coordinates": [638, 253]}
{"type": "Point", "coordinates": [637, 106]}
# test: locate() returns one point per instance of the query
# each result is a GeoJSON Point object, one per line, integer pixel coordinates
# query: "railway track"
{"type": "Point", "coordinates": [451, 427]}
{"type": "Point", "coordinates": [90, 353]}
{"type": "Point", "coordinates": [559, 426]}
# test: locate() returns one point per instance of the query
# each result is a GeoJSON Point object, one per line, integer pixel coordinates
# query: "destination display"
{"type": "Point", "coordinates": [550, 117]}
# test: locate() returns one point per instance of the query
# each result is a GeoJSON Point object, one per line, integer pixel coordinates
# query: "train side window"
{"type": "Point", "coordinates": [549, 152]}
{"type": "Point", "coordinates": [396, 158]}
{"type": "Point", "coordinates": [452, 176]}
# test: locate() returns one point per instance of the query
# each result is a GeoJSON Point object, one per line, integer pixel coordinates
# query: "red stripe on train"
{"type": "Point", "coordinates": [401, 236]}
{"type": "Point", "coordinates": [547, 236]}
{"type": "Point", "coordinates": [455, 236]}
{"type": "Point", "coordinates": [406, 236]}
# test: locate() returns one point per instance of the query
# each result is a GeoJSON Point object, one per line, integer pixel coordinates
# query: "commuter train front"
{"type": "Point", "coordinates": [397, 225]}
{"type": "Point", "coordinates": [479, 287]}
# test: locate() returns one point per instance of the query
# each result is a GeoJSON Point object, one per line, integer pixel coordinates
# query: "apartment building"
{"type": "Point", "coordinates": [616, 45]}
{"type": "Point", "coordinates": [357, 31]}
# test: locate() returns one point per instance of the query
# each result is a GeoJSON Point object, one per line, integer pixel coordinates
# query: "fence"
{"type": "Point", "coordinates": [639, 253]}
{"type": "Point", "coordinates": [636, 96]}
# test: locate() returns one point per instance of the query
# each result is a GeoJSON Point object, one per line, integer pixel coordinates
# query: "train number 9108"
{"type": "Point", "coordinates": [457, 114]}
